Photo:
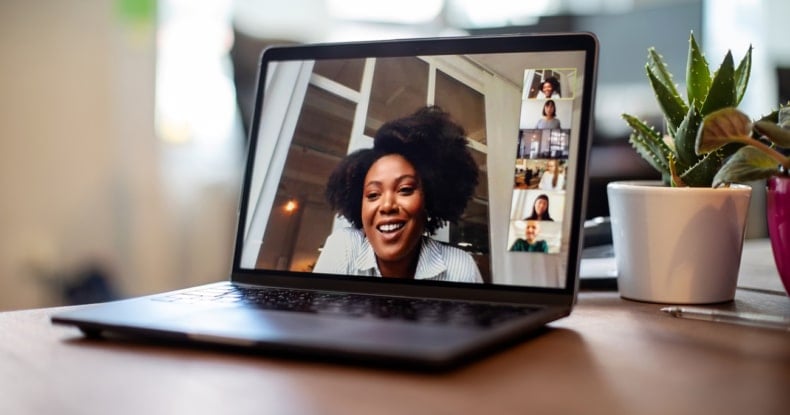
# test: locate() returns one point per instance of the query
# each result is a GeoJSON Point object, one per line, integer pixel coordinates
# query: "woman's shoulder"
{"type": "Point", "coordinates": [451, 254]}
{"type": "Point", "coordinates": [340, 251]}
{"type": "Point", "coordinates": [460, 266]}
{"type": "Point", "coordinates": [348, 232]}
{"type": "Point", "coordinates": [347, 237]}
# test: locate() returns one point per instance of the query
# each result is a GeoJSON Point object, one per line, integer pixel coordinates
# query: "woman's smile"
{"type": "Point", "coordinates": [390, 227]}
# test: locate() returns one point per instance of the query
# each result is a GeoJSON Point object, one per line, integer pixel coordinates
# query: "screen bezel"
{"type": "Point", "coordinates": [584, 42]}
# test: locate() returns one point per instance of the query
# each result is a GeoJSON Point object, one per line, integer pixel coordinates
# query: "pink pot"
{"type": "Point", "coordinates": [778, 210]}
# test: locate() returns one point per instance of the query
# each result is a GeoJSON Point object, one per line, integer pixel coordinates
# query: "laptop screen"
{"type": "Point", "coordinates": [419, 163]}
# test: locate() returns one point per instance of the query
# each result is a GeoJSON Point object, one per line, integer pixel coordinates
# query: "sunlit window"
{"type": "Point", "coordinates": [195, 98]}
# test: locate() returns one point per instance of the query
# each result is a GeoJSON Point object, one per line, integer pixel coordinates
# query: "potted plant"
{"type": "Point", "coordinates": [759, 158]}
{"type": "Point", "coordinates": [679, 240]}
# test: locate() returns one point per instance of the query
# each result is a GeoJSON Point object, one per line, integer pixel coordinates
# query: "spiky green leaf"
{"type": "Point", "coordinates": [775, 133]}
{"type": "Point", "coordinates": [702, 173]}
{"type": "Point", "coordinates": [670, 102]}
{"type": "Point", "coordinates": [674, 176]}
{"type": "Point", "coordinates": [698, 79]}
{"type": "Point", "coordinates": [722, 88]}
{"type": "Point", "coordinates": [649, 144]}
{"type": "Point", "coordinates": [742, 75]}
{"type": "Point", "coordinates": [747, 164]}
{"type": "Point", "coordinates": [685, 137]}
{"type": "Point", "coordinates": [656, 66]}
{"type": "Point", "coordinates": [724, 126]}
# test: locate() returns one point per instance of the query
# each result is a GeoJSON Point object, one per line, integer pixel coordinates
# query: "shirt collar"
{"type": "Point", "coordinates": [431, 262]}
{"type": "Point", "coordinates": [365, 263]}
{"type": "Point", "coordinates": [429, 265]}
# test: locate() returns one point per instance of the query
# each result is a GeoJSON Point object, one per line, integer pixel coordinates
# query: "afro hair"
{"type": "Point", "coordinates": [436, 147]}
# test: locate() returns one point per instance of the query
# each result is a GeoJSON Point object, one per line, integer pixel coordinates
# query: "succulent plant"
{"type": "Point", "coordinates": [673, 154]}
{"type": "Point", "coordinates": [760, 157]}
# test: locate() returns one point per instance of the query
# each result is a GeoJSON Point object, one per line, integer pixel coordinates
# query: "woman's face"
{"type": "Point", "coordinates": [540, 206]}
{"type": "Point", "coordinates": [547, 88]}
{"type": "Point", "coordinates": [393, 209]}
{"type": "Point", "coordinates": [549, 109]}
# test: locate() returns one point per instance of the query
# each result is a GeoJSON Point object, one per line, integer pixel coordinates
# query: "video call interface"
{"type": "Point", "coordinates": [318, 129]}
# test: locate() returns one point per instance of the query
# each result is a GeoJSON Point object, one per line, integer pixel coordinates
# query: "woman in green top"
{"type": "Point", "coordinates": [531, 243]}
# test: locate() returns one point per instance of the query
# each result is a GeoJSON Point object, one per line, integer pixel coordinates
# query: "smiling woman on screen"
{"type": "Point", "coordinates": [418, 176]}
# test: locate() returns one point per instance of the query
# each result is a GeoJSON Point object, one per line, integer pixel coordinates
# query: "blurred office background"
{"type": "Point", "coordinates": [122, 123]}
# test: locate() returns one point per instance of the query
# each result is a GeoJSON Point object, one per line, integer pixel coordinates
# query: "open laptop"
{"type": "Point", "coordinates": [298, 285]}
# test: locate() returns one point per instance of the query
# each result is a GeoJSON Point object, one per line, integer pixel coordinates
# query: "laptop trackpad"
{"type": "Point", "coordinates": [240, 326]}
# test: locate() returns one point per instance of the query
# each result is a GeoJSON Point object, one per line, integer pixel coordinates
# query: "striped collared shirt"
{"type": "Point", "coordinates": [347, 251]}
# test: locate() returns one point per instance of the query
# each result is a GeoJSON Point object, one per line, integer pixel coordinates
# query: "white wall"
{"type": "Point", "coordinates": [82, 175]}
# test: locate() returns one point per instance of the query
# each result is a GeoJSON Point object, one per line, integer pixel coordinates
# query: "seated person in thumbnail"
{"type": "Point", "coordinates": [540, 209]}
{"type": "Point", "coordinates": [549, 121]}
{"type": "Point", "coordinates": [553, 178]}
{"type": "Point", "coordinates": [549, 88]}
{"type": "Point", "coordinates": [418, 176]}
{"type": "Point", "coordinates": [530, 243]}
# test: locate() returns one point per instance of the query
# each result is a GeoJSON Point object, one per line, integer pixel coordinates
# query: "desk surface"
{"type": "Point", "coordinates": [610, 356]}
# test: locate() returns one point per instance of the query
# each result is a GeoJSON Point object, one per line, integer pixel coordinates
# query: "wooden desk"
{"type": "Point", "coordinates": [611, 356]}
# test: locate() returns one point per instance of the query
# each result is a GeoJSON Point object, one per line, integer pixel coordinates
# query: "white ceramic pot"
{"type": "Point", "coordinates": [677, 245]}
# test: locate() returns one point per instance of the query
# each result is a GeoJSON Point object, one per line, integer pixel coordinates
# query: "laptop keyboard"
{"type": "Point", "coordinates": [356, 305]}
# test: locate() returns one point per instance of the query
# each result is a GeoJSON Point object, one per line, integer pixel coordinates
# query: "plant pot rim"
{"type": "Point", "coordinates": [659, 186]}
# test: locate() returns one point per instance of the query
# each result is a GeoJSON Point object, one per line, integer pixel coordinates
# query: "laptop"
{"type": "Point", "coordinates": [411, 203]}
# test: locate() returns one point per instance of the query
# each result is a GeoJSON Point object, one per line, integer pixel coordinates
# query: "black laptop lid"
{"type": "Point", "coordinates": [330, 110]}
